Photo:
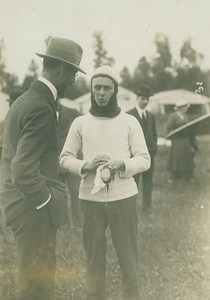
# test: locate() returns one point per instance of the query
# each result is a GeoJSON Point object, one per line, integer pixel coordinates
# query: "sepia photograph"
{"type": "Point", "coordinates": [104, 150]}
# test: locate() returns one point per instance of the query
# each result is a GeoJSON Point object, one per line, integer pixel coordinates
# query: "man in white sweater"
{"type": "Point", "coordinates": [114, 149]}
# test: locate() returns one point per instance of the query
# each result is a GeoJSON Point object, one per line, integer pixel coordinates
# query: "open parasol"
{"type": "Point", "coordinates": [199, 126]}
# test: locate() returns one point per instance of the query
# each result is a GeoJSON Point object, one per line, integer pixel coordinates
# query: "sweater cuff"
{"type": "Point", "coordinates": [132, 169]}
{"type": "Point", "coordinates": [83, 174]}
{"type": "Point", "coordinates": [45, 203]}
{"type": "Point", "coordinates": [125, 172]}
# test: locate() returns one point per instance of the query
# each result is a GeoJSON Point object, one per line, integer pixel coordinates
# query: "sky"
{"type": "Point", "coordinates": [128, 27]}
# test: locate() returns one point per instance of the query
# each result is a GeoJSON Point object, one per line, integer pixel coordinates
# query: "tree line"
{"type": "Point", "coordinates": [161, 71]}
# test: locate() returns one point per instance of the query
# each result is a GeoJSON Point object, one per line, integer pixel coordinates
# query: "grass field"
{"type": "Point", "coordinates": [174, 244]}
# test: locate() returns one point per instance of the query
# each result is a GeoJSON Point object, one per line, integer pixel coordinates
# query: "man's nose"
{"type": "Point", "coordinates": [101, 92]}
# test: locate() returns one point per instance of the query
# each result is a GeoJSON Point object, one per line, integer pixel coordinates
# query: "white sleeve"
{"type": "Point", "coordinates": [68, 156]}
{"type": "Point", "coordinates": [140, 158]}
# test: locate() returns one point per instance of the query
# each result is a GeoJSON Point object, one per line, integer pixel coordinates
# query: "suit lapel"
{"type": "Point", "coordinates": [143, 125]}
{"type": "Point", "coordinates": [136, 115]}
{"type": "Point", "coordinates": [62, 115]}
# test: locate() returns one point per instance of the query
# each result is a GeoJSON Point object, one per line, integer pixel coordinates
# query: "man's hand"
{"type": "Point", "coordinates": [99, 160]}
{"type": "Point", "coordinates": [116, 165]}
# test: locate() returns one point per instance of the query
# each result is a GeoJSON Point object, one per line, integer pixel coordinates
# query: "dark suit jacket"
{"type": "Point", "coordinates": [29, 162]}
{"type": "Point", "coordinates": [150, 132]}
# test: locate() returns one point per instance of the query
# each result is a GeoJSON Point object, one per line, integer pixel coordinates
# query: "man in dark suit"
{"type": "Point", "coordinates": [147, 122]}
{"type": "Point", "coordinates": [66, 116]}
{"type": "Point", "coordinates": [31, 196]}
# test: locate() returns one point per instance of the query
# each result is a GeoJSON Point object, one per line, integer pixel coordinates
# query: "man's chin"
{"type": "Point", "coordinates": [102, 104]}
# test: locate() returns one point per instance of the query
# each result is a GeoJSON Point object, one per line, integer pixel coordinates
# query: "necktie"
{"type": "Point", "coordinates": [57, 108]}
{"type": "Point", "coordinates": [144, 118]}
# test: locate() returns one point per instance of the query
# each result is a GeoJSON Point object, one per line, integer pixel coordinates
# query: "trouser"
{"type": "Point", "coordinates": [72, 183]}
{"type": "Point", "coordinates": [182, 174]}
{"type": "Point", "coordinates": [121, 218]}
{"type": "Point", "coordinates": [35, 240]}
{"type": "Point", "coordinates": [147, 184]}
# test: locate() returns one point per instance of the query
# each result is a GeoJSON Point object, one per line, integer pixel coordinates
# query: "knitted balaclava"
{"type": "Point", "coordinates": [112, 109]}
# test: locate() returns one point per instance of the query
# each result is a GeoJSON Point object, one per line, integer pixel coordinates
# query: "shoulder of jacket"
{"type": "Point", "coordinates": [131, 111]}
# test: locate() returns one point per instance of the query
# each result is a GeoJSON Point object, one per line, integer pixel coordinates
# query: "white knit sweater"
{"type": "Point", "coordinates": [121, 138]}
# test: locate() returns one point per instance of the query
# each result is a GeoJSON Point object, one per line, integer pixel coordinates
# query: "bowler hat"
{"type": "Point", "coordinates": [144, 91]}
{"type": "Point", "coordinates": [64, 50]}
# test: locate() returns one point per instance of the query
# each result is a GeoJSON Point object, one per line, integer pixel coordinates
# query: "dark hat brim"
{"type": "Point", "coordinates": [62, 60]}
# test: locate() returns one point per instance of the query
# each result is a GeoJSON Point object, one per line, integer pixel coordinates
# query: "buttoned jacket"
{"type": "Point", "coordinates": [149, 129]}
{"type": "Point", "coordinates": [29, 162]}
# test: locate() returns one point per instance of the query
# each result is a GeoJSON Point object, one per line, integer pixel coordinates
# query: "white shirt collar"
{"type": "Point", "coordinates": [50, 86]}
{"type": "Point", "coordinates": [140, 111]}
{"type": "Point", "coordinates": [180, 115]}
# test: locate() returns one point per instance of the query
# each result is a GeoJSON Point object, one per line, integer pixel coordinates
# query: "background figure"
{"type": "Point", "coordinates": [13, 95]}
{"type": "Point", "coordinates": [147, 121]}
{"type": "Point", "coordinates": [66, 116]}
{"type": "Point", "coordinates": [181, 155]}
{"type": "Point", "coordinates": [31, 195]}
{"type": "Point", "coordinates": [114, 149]}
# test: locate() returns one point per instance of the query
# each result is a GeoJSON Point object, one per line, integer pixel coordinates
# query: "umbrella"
{"type": "Point", "coordinates": [199, 126]}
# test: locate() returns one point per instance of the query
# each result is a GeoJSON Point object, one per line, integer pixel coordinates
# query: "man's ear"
{"type": "Point", "coordinates": [61, 69]}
